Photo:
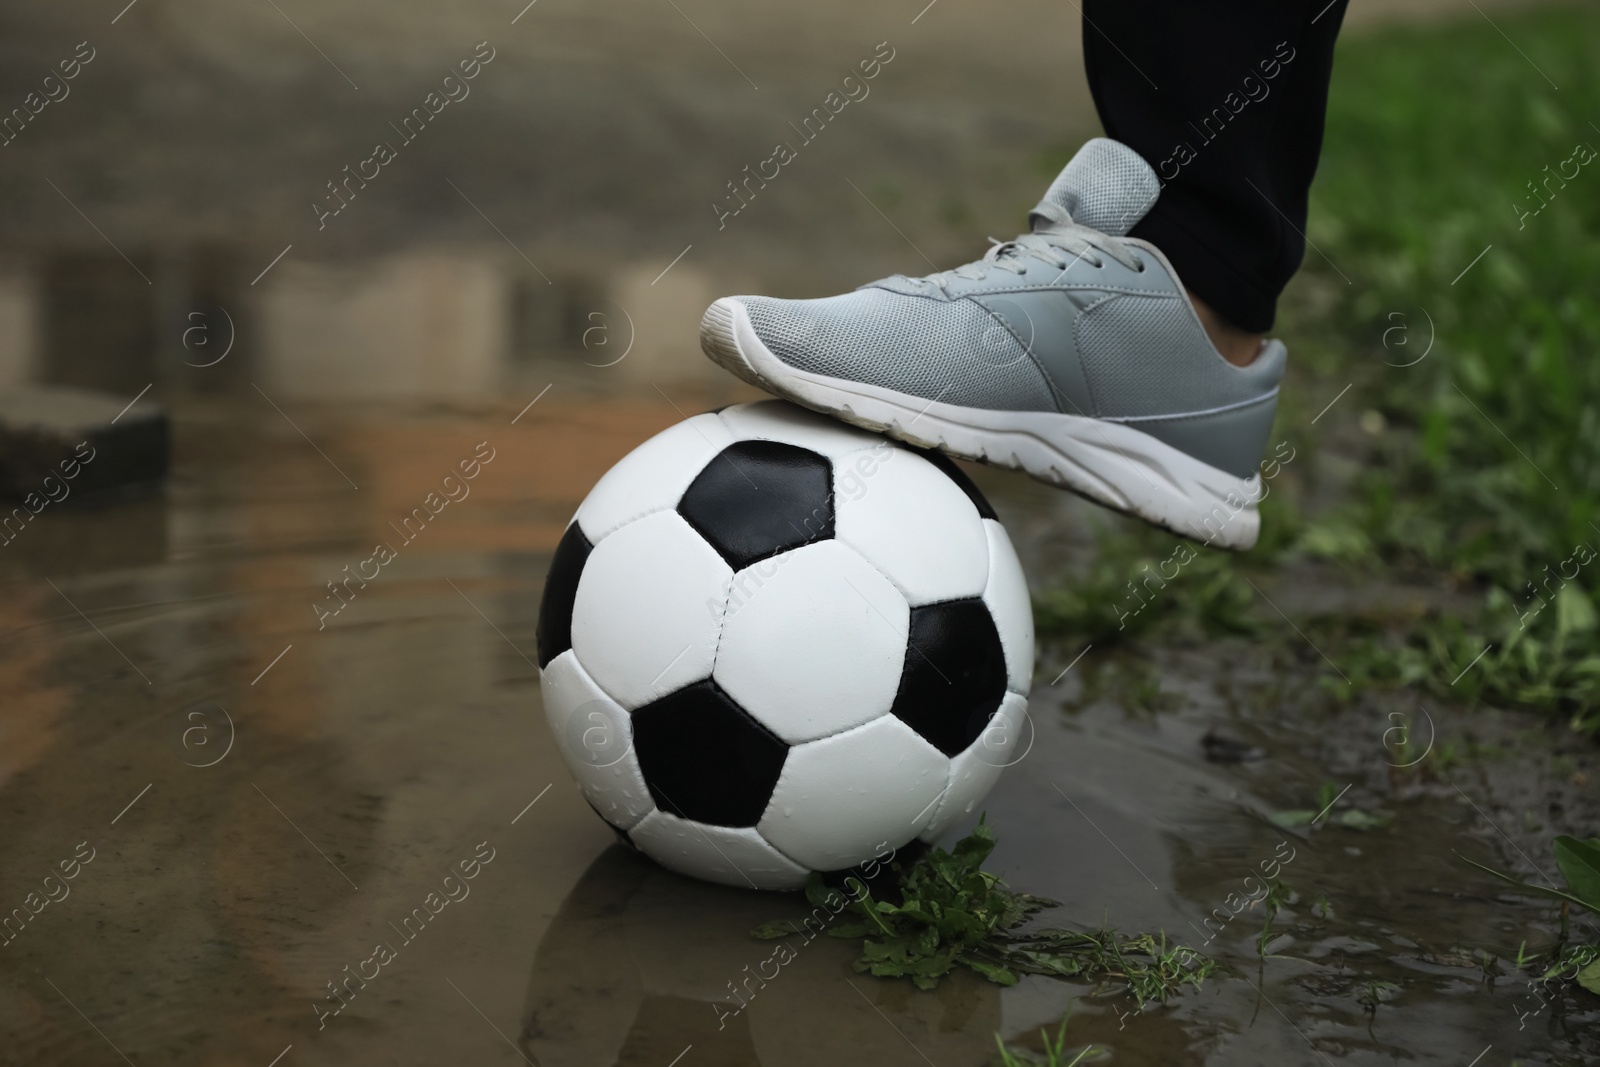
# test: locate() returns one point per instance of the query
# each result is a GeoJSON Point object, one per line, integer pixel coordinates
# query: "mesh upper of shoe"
{"type": "Point", "coordinates": [1145, 356]}
{"type": "Point", "coordinates": [951, 351]}
{"type": "Point", "coordinates": [1142, 355]}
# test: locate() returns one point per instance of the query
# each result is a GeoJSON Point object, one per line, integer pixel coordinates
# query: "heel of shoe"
{"type": "Point", "coordinates": [1232, 439]}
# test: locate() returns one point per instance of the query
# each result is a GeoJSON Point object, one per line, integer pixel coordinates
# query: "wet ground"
{"type": "Point", "coordinates": [263, 801]}
{"type": "Point", "coordinates": [254, 790]}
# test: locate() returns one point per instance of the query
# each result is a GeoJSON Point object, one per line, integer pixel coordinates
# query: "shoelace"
{"type": "Point", "coordinates": [1055, 239]}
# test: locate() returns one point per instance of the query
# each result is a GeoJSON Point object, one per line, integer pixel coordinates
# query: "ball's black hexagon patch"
{"type": "Point", "coordinates": [554, 633]}
{"type": "Point", "coordinates": [759, 498]}
{"type": "Point", "coordinates": [954, 675]}
{"type": "Point", "coordinates": [704, 758]}
{"type": "Point", "coordinates": [959, 476]}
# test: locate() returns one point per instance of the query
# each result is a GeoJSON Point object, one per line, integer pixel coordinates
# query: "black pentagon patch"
{"type": "Point", "coordinates": [704, 758]}
{"type": "Point", "coordinates": [954, 676]}
{"type": "Point", "coordinates": [759, 498]}
{"type": "Point", "coordinates": [554, 633]}
{"type": "Point", "coordinates": [959, 476]}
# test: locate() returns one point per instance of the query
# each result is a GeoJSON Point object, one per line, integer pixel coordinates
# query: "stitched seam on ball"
{"type": "Point", "coordinates": [768, 841]}
{"type": "Point", "coordinates": [595, 542]}
{"type": "Point", "coordinates": [944, 797]}
{"type": "Point", "coordinates": [722, 620]}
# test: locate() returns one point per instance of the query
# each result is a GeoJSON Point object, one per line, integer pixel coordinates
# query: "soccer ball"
{"type": "Point", "coordinates": [771, 644]}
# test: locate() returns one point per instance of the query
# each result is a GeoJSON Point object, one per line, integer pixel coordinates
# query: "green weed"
{"type": "Point", "coordinates": [1374, 993]}
{"type": "Point", "coordinates": [1279, 895]}
{"type": "Point", "coordinates": [1579, 864]}
{"type": "Point", "coordinates": [1055, 1054]}
{"type": "Point", "coordinates": [1349, 818]}
{"type": "Point", "coordinates": [1143, 582]}
{"type": "Point", "coordinates": [1551, 665]}
{"type": "Point", "coordinates": [952, 913]}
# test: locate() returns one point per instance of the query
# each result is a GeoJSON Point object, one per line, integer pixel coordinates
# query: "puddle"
{"type": "Point", "coordinates": [266, 802]}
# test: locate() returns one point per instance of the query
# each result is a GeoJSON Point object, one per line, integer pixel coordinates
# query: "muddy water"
{"type": "Point", "coordinates": [267, 791]}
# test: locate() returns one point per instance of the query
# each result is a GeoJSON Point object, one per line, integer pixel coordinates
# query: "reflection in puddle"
{"type": "Point", "coordinates": [454, 322]}
{"type": "Point", "coordinates": [640, 962]}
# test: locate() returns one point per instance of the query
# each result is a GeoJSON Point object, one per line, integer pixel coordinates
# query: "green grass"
{"type": "Point", "coordinates": [1055, 1051]}
{"type": "Point", "coordinates": [1432, 135]}
{"type": "Point", "coordinates": [1279, 893]}
{"type": "Point", "coordinates": [1126, 593]}
{"type": "Point", "coordinates": [1490, 471]}
{"type": "Point", "coordinates": [952, 913]}
{"type": "Point", "coordinates": [1579, 864]}
{"type": "Point", "coordinates": [1553, 667]}
{"type": "Point", "coordinates": [1478, 466]}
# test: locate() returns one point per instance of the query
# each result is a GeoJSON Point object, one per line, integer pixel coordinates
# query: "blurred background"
{"type": "Point", "coordinates": [593, 151]}
{"type": "Point", "coordinates": [526, 270]}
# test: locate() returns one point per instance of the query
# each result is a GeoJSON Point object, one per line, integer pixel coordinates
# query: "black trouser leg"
{"type": "Point", "coordinates": [1225, 100]}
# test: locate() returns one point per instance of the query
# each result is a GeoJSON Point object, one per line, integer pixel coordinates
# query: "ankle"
{"type": "Point", "coordinates": [1239, 347]}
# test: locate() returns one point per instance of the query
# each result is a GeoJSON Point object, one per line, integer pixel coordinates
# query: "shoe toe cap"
{"type": "Point", "coordinates": [954, 351]}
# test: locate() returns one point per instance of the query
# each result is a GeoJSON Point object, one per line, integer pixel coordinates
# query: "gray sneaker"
{"type": "Point", "coordinates": [1071, 353]}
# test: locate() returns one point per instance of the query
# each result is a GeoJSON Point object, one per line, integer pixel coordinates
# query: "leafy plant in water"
{"type": "Point", "coordinates": [1054, 1051]}
{"type": "Point", "coordinates": [952, 913]}
{"type": "Point", "coordinates": [1375, 993]}
{"type": "Point", "coordinates": [1349, 818]}
{"type": "Point", "coordinates": [1562, 961]}
{"type": "Point", "coordinates": [1279, 893]}
{"type": "Point", "coordinates": [1579, 863]}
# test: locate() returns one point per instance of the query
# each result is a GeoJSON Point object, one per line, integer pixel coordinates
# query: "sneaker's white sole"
{"type": "Point", "coordinates": [1108, 462]}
